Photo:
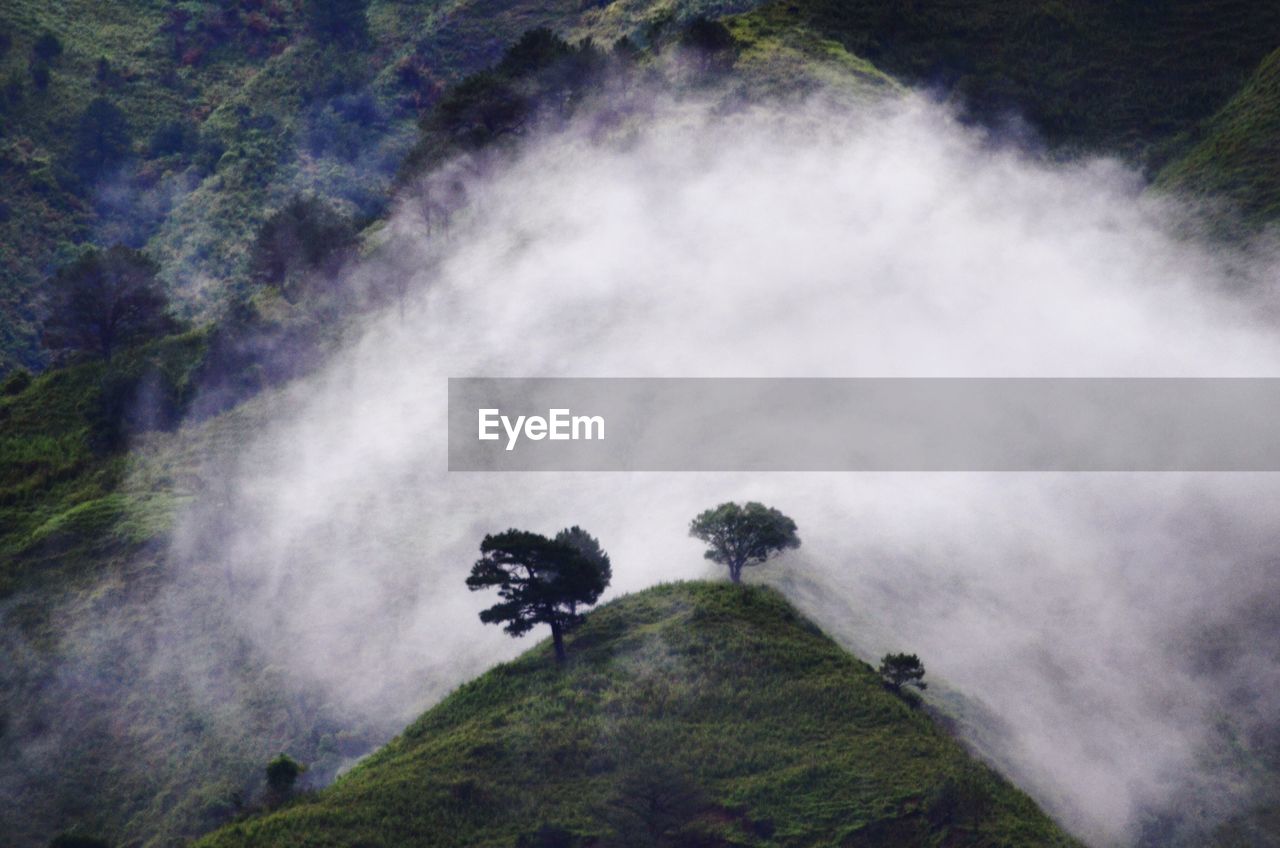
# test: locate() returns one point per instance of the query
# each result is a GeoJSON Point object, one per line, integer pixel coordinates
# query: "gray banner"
{"type": "Point", "coordinates": [918, 424]}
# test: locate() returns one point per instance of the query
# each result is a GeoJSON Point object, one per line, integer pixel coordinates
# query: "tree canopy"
{"type": "Point", "coordinates": [282, 774]}
{"type": "Point", "coordinates": [901, 670]}
{"type": "Point", "coordinates": [305, 235]}
{"type": "Point", "coordinates": [540, 580]}
{"type": "Point", "coordinates": [102, 139]}
{"type": "Point", "coordinates": [739, 536]}
{"type": "Point", "coordinates": [589, 547]}
{"type": "Point", "coordinates": [104, 300]}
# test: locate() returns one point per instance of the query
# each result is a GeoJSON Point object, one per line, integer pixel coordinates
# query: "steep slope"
{"type": "Point", "coordinates": [694, 714]}
{"type": "Point", "coordinates": [1237, 155]}
{"type": "Point", "coordinates": [106, 727]}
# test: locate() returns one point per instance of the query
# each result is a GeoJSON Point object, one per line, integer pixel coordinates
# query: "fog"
{"type": "Point", "coordinates": [1105, 623]}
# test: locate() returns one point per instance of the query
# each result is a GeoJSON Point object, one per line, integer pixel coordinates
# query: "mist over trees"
{"type": "Point", "coordinates": [540, 580]}
{"type": "Point", "coordinates": [742, 536]}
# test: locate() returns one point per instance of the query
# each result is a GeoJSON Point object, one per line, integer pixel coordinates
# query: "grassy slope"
{"type": "Point", "coordinates": [793, 740]}
{"type": "Point", "coordinates": [65, 507]}
{"type": "Point", "coordinates": [778, 56]}
{"type": "Point", "coordinates": [95, 733]}
{"type": "Point", "coordinates": [1237, 156]}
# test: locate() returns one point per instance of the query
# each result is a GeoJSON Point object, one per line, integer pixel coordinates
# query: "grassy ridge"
{"type": "Point", "coordinates": [774, 734]}
{"type": "Point", "coordinates": [1236, 157]}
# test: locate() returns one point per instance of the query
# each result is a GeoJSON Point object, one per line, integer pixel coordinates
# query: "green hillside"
{"type": "Point", "coordinates": [230, 110]}
{"type": "Point", "coordinates": [1236, 157]}
{"type": "Point", "coordinates": [689, 714]}
{"type": "Point", "coordinates": [1116, 77]}
{"type": "Point", "coordinates": [218, 113]}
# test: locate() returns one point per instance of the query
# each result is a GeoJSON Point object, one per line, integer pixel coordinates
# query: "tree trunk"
{"type": "Point", "coordinates": [735, 572]}
{"type": "Point", "coordinates": [558, 638]}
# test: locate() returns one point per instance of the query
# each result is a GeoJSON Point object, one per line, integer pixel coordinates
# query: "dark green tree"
{"type": "Point", "coordinates": [536, 49]}
{"type": "Point", "coordinates": [282, 774]}
{"type": "Point", "coordinates": [173, 137]}
{"type": "Point", "coordinates": [961, 800]}
{"type": "Point", "coordinates": [739, 536]}
{"type": "Point", "coordinates": [104, 300]}
{"type": "Point", "coordinates": [482, 108]}
{"type": "Point", "coordinates": [307, 234]}
{"type": "Point", "coordinates": [102, 139]}
{"type": "Point", "coordinates": [901, 670]}
{"type": "Point", "coordinates": [540, 581]}
{"type": "Point", "coordinates": [46, 48]}
{"type": "Point", "coordinates": [589, 547]}
{"type": "Point", "coordinates": [15, 384]}
{"type": "Point", "coordinates": [710, 41]}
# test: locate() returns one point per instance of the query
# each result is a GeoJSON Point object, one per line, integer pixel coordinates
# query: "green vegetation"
{"type": "Point", "coordinates": [541, 580]}
{"type": "Point", "coordinates": [1235, 157]}
{"type": "Point", "coordinates": [1115, 77]}
{"type": "Point", "coordinates": [304, 237]}
{"type": "Point", "coordinates": [282, 774]}
{"type": "Point", "coordinates": [103, 301]}
{"type": "Point", "coordinates": [899, 671]}
{"type": "Point", "coordinates": [65, 504]}
{"type": "Point", "coordinates": [777, 56]}
{"type": "Point", "coordinates": [182, 127]}
{"type": "Point", "coordinates": [245, 145]}
{"type": "Point", "coordinates": [739, 536]}
{"type": "Point", "coordinates": [689, 714]}
{"type": "Point", "coordinates": [129, 746]}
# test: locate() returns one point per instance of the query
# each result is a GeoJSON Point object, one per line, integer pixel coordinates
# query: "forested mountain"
{"type": "Point", "coordinates": [219, 169]}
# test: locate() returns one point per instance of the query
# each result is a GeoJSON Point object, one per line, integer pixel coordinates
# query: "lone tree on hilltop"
{"type": "Point", "coordinates": [104, 300]}
{"type": "Point", "coordinates": [540, 580]}
{"type": "Point", "coordinates": [738, 536]}
{"type": "Point", "coordinates": [901, 670]}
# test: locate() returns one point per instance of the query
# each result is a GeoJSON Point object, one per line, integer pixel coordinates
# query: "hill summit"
{"type": "Point", "coordinates": [700, 714]}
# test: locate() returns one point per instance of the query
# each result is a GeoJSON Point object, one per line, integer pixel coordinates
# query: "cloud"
{"type": "Point", "coordinates": [1079, 610]}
